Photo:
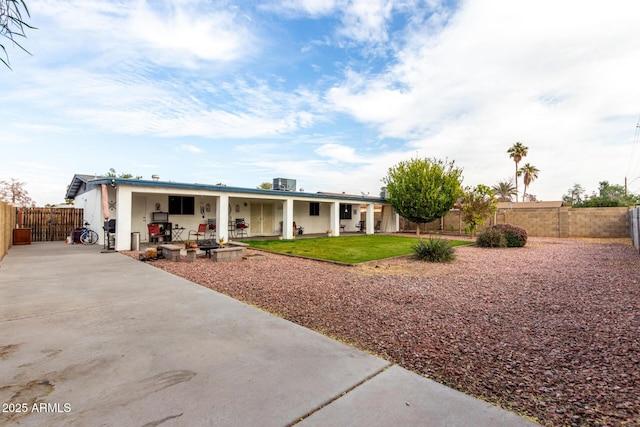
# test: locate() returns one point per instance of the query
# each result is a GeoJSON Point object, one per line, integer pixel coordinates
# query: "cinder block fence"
{"type": "Point", "coordinates": [560, 221]}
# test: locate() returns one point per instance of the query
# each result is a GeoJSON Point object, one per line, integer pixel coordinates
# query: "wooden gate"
{"type": "Point", "coordinates": [49, 224]}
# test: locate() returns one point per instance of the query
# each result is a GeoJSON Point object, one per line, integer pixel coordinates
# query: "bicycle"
{"type": "Point", "coordinates": [88, 236]}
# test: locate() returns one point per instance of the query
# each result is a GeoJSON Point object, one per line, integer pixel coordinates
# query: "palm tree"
{"type": "Point", "coordinates": [529, 174]}
{"type": "Point", "coordinates": [505, 190]}
{"type": "Point", "coordinates": [517, 152]}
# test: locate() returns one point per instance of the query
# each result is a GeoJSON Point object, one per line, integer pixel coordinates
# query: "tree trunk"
{"type": "Point", "coordinates": [417, 229]}
{"type": "Point", "coordinates": [516, 182]}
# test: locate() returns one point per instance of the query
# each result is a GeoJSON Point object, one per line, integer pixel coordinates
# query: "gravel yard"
{"type": "Point", "coordinates": [550, 331]}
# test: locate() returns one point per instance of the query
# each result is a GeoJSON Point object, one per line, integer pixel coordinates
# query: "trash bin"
{"type": "Point", "coordinates": [135, 241]}
{"type": "Point", "coordinates": [21, 236]}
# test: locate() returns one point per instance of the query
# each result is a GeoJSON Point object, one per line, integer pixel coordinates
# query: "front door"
{"type": "Point", "coordinates": [139, 216]}
{"type": "Point", "coordinates": [261, 219]}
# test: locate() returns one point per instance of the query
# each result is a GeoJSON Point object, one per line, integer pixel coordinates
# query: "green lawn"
{"type": "Point", "coordinates": [348, 249]}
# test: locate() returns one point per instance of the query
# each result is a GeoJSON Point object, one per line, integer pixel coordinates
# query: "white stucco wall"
{"type": "Point", "coordinates": [91, 203]}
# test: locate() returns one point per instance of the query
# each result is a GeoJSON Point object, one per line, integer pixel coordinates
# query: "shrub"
{"type": "Point", "coordinates": [491, 238]}
{"type": "Point", "coordinates": [516, 236]}
{"type": "Point", "coordinates": [434, 250]}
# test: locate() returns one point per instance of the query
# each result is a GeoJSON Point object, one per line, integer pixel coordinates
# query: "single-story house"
{"type": "Point", "coordinates": [181, 207]}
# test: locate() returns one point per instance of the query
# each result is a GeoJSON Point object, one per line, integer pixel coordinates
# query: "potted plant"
{"type": "Point", "coordinates": [329, 232]}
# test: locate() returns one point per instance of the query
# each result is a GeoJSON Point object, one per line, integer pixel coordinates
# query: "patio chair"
{"type": "Point", "coordinates": [155, 234]}
{"type": "Point", "coordinates": [362, 226]}
{"type": "Point", "coordinates": [241, 227]}
{"type": "Point", "coordinates": [211, 222]}
{"type": "Point", "coordinates": [201, 232]}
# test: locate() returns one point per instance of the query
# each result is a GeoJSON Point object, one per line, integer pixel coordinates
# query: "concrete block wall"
{"type": "Point", "coordinates": [569, 222]}
{"type": "Point", "coordinates": [537, 222]}
{"type": "Point", "coordinates": [599, 222]}
{"type": "Point", "coordinates": [543, 222]}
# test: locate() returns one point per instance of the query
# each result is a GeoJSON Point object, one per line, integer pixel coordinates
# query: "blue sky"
{"type": "Point", "coordinates": [329, 92]}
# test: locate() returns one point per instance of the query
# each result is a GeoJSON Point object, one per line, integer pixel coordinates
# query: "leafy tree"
{"type": "Point", "coordinates": [517, 152]}
{"type": "Point", "coordinates": [609, 195]}
{"type": "Point", "coordinates": [12, 24]}
{"type": "Point", "coordinates": [505, 190]}
{"type": "Point", "coordinates": [422, 190]}
{"type": "Point", "coordinates": [112, 174]}
{"type": "Point", "coordinates": [529, 174]}
{"type": "Point", "coordinates": [14, 192]}
{"type": "Point", "coordinates": [575, 195]}
{"type": "Point", "coordinates": [477, 204]}
{"type": "Point", "coordinates": [265, 186]}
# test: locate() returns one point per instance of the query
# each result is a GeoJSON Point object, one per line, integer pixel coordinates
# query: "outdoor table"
{"type": "Point", "coordinates": [176, 234]}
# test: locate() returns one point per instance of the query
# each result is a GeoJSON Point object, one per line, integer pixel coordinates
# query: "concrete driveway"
{"type": "Point", "coordinates": [93, 339]}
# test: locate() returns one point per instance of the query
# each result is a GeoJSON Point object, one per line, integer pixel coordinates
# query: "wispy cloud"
{"type": "Point", "coordinates": [339, 153]}
{"type": "Point", "coordinates": [191, 148]}
{"type": "Point", "coordinates": [174, 34]}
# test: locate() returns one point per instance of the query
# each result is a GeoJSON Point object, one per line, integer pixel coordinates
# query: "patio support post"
{"type": "Point", "coordinates": [396, 218]}
{"type": "Point", "coordinates": [123, 218]}
{"type": "Point", "coordinates": [222, 217]}
{"type": "Point", "coordinates": [334, 220]}
{"type": "Point", "coordinates": [287, 219]}
{"type": "Point", "coordinates": [370, 222]}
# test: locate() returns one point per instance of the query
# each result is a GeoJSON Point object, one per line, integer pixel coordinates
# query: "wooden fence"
{"type": "Point", "coordinates": [7, 224]}
{"type": "Point", "coordinates": [49, 224]}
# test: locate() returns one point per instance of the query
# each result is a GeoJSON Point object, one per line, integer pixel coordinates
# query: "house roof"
{"type": "Point", "coordinates": [530, 205]}
{"type": "Point", "coordinates": [79, 179]}
{"type": "Point", "coordinates": [76, 184]}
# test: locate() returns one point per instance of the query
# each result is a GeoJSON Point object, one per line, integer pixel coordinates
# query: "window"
{"type": "Point", "coordinates": [179, 205]}
{"type": "Point", "coordinates": [314, 209]}
{"type": "Point", "coordinates": [345, 211]}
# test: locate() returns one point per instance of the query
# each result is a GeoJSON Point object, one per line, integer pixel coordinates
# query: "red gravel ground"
{"type": "Point", "coordinates": [550, 331]}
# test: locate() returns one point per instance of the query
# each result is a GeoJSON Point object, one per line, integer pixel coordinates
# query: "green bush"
{"type": "Point", "coordinates": [515, 237]}
{"type": "Point", "coordinates": [491, 238]}
{"type": "Point", "coordinates": [434, 250]}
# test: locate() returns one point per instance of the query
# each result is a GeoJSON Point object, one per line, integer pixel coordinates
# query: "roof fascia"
{"type": "Point", "coordinates": [227, 189]}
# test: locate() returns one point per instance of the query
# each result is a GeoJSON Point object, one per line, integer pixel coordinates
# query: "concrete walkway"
{"type": "Point", "coordinates": [100, 339]}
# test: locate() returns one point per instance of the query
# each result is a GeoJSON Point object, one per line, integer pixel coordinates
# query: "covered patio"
{"type": "Point", "coordinates": [226, 212]}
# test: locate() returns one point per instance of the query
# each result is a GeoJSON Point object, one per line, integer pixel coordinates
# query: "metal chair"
{"type": "Point", "coordinates": [155, 233]}
{"type": "Point", "coordinates": [241, 227]}
{"type": "Point", "coordinates": [201, 232]}
{"type": "Point", "coordinates": [211, 223]}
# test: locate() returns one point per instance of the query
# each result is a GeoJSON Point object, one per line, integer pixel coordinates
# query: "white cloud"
{"type": "Point", "coordinates": [339, 153]}
{"type": "Point", "coordinates": [200, 33]}
{"type": "Point", "coordinates": [177, 34]}
{"type": "Point", "coordinates": [366, 20]}
{"type": "Point", "coordinates": [292, 8]}
{"type": "Point", "coordinates": [361, 21]}
{"type": "Point", "coordinates": [501, 72]}
{"type": "Point", "coordinates": [191, 148]}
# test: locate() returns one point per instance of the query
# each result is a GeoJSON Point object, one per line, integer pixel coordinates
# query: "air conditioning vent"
{"type": "Point", "coordinates": [284, 184]}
